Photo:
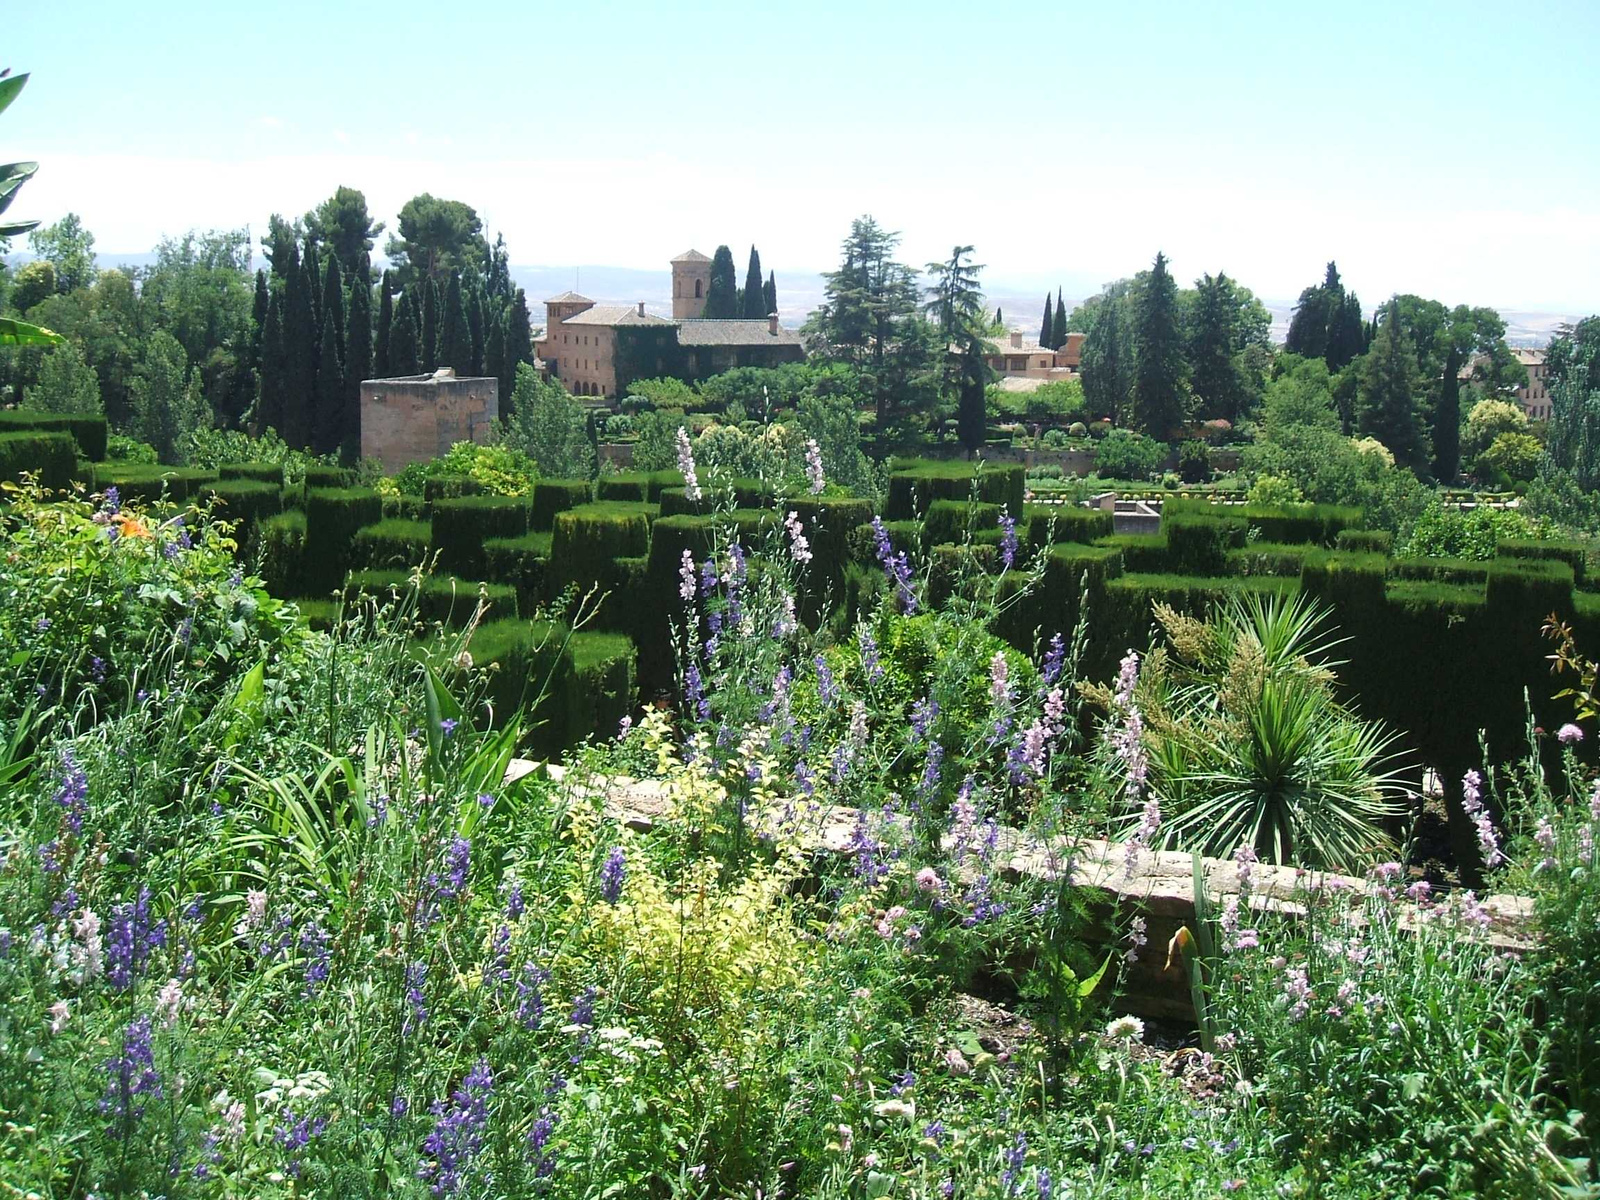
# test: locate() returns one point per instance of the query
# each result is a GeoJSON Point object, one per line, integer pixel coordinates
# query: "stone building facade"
{"type": "Point", "coordinates": [417, 417]}
{"type": "Point", "coordinates": [597, 350]}
{"type": "Point", "coordinates": [1534, 396]}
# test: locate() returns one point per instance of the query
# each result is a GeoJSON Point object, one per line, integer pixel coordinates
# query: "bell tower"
{"type": "Point", "coordinates": [691, 279]}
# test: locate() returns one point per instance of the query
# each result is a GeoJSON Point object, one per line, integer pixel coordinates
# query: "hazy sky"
{"type": "Point", "coordinates": [1448, 149]}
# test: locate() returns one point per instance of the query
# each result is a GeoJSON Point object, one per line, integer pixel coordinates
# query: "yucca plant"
{"type": "Point", "coordinates": [1249, 746]}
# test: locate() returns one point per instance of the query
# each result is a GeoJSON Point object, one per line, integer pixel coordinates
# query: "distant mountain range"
{"type": "Point", "coordinates": [800, 293]}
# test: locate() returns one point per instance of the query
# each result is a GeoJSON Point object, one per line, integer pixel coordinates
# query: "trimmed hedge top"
{"type": "Point", "coordinates": [87, 430]}
{"type": "Point", "coordinates": [914, 484]}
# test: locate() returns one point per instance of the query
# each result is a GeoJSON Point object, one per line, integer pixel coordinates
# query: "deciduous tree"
{"type": "Point", "coordinates": [67, 383]}
{"type": "Point", "coordinates": [69, 248]}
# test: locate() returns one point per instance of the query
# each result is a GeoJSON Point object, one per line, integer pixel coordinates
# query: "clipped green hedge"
{"type": "Point", "coordinates": [403, 507]}
{"type": "Point", "coordinates": [1459, 571]}
{"type": "Point", "coordinates": [333, 517]}
{"type": "Point", "coordinates": [914, 484]}
{"type": "Point", "coordinates": [1526, 590]}
{"type": "Point", "coordinates": [747, 493]}
{"type": "Point", "coordinates": [389, 543]}
{"type": "Point", "coordinates": [587, 539]}
{"type": "Point", "coordinates": [263, 472]}
{"type": "Point", "coordinates": [1350, 581]}
{"type": "Point", "coordinates": [380, 585]}
{"type": "Point", "coordinates": [1268, 558]}
{"type": "Point", "coordinates": [1145, 553]}
{"type": "Point", "coordinates": [551, 496]}
{"type": "Point", "coordinates": [1429, 598]}
{"type": "Point", "coordinates": [905, 536]}
{"type": "Point", "coordinates": [454, 601]}
{"type": "Point", "coordinates": [526, 662]}
{"type": "Point", "coordinates": [444, 487]}
{"type": "Point", "coordinates": [828, 522]}
{"type": "Point", "coordinates": [1571, 553]}
{"type": "Point", "coordinates": [283, 553]}
{"type": "Point", "coordinates": [329, 477]}
{"type": "Point", "coordinates": [320, 614]}
{"type": "Point", "coordinates": [1373, 541]}
{"type": "Point", "coordinates": [149, 482]}
{"type": "Point", "coordinates": [89, 432]}
{"type": "Point", "coordinates": [522, 562]}
{"type": "Point", "coordinates": [1050, 525]}
{"type": "Point", "coordinates": [625, 485]}
{"type": "Point", "coordinates": [947, 521]}
{"type": "Point", "coordinates": [461, 524]}
{"type": "Point", "coordinates": [1198, 542]}
{"type": "Point", "coordinates": [246, 502]}
{"type": "Point", "coordinates": [1304, 524]}
{"type": "Point", "coordinates": [52, 456]}
{"type": "Point", "coordinates": [599, 685]}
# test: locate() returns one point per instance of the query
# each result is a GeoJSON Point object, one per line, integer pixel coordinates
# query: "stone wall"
{"type": "Point", "coordinates": [418, 417]}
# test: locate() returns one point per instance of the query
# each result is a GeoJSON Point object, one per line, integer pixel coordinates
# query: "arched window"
{"type": "Point", "coordinates": [697, 289]}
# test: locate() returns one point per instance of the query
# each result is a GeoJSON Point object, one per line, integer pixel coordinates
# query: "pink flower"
{"type": "Point", "coordinates": [928, 880]}
{"type": "Point", "coordinates": [1569, 734]}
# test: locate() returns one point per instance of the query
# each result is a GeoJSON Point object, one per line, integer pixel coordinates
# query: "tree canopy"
{"type": "Point", "coordinates": [436, 238]}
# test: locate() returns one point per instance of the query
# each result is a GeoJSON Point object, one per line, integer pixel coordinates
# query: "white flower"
{"type": "Point", "coordinates": [905, 1110]}
{"type": "Point", "coordinates": [60, 1014]}
{"type": "Point", "coordinates": [169, 1002]}
{"type": "Point", "coordinates": [1129, 1029]}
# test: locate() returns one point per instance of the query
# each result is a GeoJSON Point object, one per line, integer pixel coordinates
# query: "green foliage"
{"type": "Point", "coordinates": [151, 482]}
{"type": "Point", "coordinates": [1198, 541]}
{"type": "Point", "coordinates": [1388, 393]}
{"type": "Point", "coordinates": [1378, 541]}
{"type": "Point", "coordinates": [587, 538]}
{"type": "Point", "coordinates": [1127, 454]}
{"type": "Point", "coordinates": [551, 496]}
{"type": "Point", "coordinates": [436, 239]}
{"type": "Point", "coordinates": [522, 562]}
{"type": "Point", "coordinates": [393, 543]}
{"type": "Point", "coordinates": [333, 517]}
{"type": "Point", "coordinates": [223, 449]}
{"type": "Point", "coordinates": [88, 431]}
{"type": "Point", "coordinates": [549, 425]}
{"type": "Point", "coordinates": [722, 296]}
{"type": "Point", "coordinates": [1475, 533]}
{"type": "Point", "coordinates": [67, 383]}
{"type": "Point", "coordinates": [268, 472]}
{"type": "Point", "coordinates": [462, 524]}
{"type": "Point", "coordinates": [915, 484]}
{"type": "Point", "coordinates": [1194, 461]}
{"type": "Point", "coordinates": [455, 602]}
{"type": "Point", "coordinates": [1160, 386]}
{"type": "Point", "coordinates": [51, 456]}
{"type": "Point", "coordinates": [245, 503]}
{"type": "Point", "coordinates": [166, 403]}
{"type": "Point", "coordinates": [1301, 393]}
{"type": "Point", "coordinates": [1053, 524]}
{"type": "Point", "coordinates": [1514, 456]}
{"type": "Point", "coordinates": [656, 449]}
{"type": "Point", "coordinates": [1487, 420]}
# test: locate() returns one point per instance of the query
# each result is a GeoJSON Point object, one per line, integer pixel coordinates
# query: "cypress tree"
{"type": "Point", "coordinates": [1386, 398]}
{"type": "Point", "coordinates": [330, 403]}
{"type": "Point", "coordinates": [971, 397]}
{"type": "Point", "coordinates": [357, 359]}
{"type": "Point", "coordinates": [273, 374]}
{"type": "Point", "coordinates": [300, 367]}
{"type": "Point", "coordinates": [1047, 328]}
{"type": "Point", "coordinates": [1447, 419]}
{"type": "Point", "coordinates": [311, 268]}
{"type": "Point", "coordinates": [519, 336]}
{"type": "Point", "coordinates": [722, 296]}
{"type": "Point", "coordinates": [405, 353]}
{"type": "Point", "coordinates": [1158, 394]}
{"type": "Point", "coordinates": [999, 315]}
{"type": "Point", "coordinates": [333, 301]}
{"type": "Point", "coordinates": [474, 298]}
{"type": "Point", "coordinates": [1346, 341]}
{"type": "Point", "coordinates": [1105, 366]}
{"type": "Point", "coordinates": [755, 294]}
{"type": "Point", "coordinates": [380, 359]}
{"type": "Point", "coordinates": [1058, 334]}
{"type": "Point", "coordinates": [772, 292]}
{"type": "Point", "coordinates": [494, 351]}
{"type": "Point", "coordinates": [455, 335]}
{"type": "Point", "coordinates": [258, 319]}
{"type": "Point", "coordinates": [430, 325]}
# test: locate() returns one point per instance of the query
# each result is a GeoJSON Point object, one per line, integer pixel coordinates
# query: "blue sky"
{"type": "Point", "coordinates": [1445, 149]}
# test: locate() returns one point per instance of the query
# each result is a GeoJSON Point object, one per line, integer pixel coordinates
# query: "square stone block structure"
{"type": "Point", "coordinates": [413, 418]}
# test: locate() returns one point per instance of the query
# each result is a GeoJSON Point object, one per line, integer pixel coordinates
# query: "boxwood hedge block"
{"type": "Point", "coordinates": [904, 536]}
{"type": "Point", "coordinates": [329, 477]}
{"type": "Point", "coordinates": [380, 585]}
{"type": "Point", "coordinates": [551, 496]}
{"type": "Point", "coordinates": [391, 543]}
{"type": "Point", "coordinates": [521, 562]}
{"type": "Point", "coordinates": [86, 430]}
{"type": "Point", "coordinates": [149, 482]}
{"type": "Point", "coordinates": [1523, 591]}
{"type": "Point", "coordinates": [1571, 553]}
{"type": "Point", "coordinates": [1351, 581]}
{"type": "Point", "coordinates": [283, 552]}
{"type": "Point", "coordinates": [441, 487]}
{"type": "Point", "coordinates": [951, 521]}
{"type": "Point", "coordinates": [333, 517]}
{"type": "Point", "coordinates": [1198, 542]}
{"type": "Point", "coordinates": [828, 522]}
{"type": "Point", "coordinates": [53, 457]}
{"type": "Point", "coordinates": [914, 484]}
{"type": "Point", "coordinates": [454, 601]}
{"type": "Point", "coordinates": [245, 502]}
{"type": "Point", "coordinates": [1431, 598]}
{"type": "Point", "coordinates": [1311, 524]}
{"type": "Point", "coordinates": [1052, 525]}
{"type": "Point", "coordinates": [405, 507]}
{"type": "Point", "coordinates": [1373, 541]}
{"type": "Point", "coordinates": [587, 539]}
{"type": "Point", "coordinates": [625, 485]}
{"type": "Point", "coordinates": [1145, 553]}
{"type": "Point", "coordinates": [599, 685]}
{"type": "Point", "coordinates": [462, 524]}
{"type": "Point", "coordinates": [1267, 558]}
{"type": "Point", "coordinates": [264, 472]}
{"type": "Point", "coordinates": [1459, 571]}
{"type": "Point", "coordinates": [525, 663]}
{"type": "Point", "coordinates": [320, 613]}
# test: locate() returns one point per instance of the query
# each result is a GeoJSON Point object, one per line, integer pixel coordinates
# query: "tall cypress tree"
{"type": "Point", "coordinates": [771, 292]}
{"type": "Point", "coordinates": [1158, 381]}
{"type": "Point", "coordinates": [999, 315]}
{"type": "Point", "coordinates": [405, 351]}
{"type": "Point", "coordinates": [300, 367]}
{"type": "Point", "coordinates": [494, 350]}
{"type": "Point", "coordinates": [455, 335]}
{"type": "Point", "coordinates": [1386, 399]}
{"type": "Point", "coordinates": [311, 268]}
{"type": "Point", "coordinates": [1346, 340]}
{"type": "Point", "coordinates": [475, 321]}
{"type": "Point", "coordinates": [1447, 418]}
{"type": "Point", "coordinates": [971, 396]}
{"type": "Point", "coordinates": [357, 359]}
{"type": "Point", "coordinates": [519, 337]}
{"type": "Point", "coordinates": [274, 370]}
{"type": "Point", "coordinates": [430, 325]}
{"type": "Point", "coordinates": [330, 403]}
{"type": "Point", "coordinates": [380, 358]}
{"type": "Point", "coordinates": [755, 293]}
{"type": "Point", "coordinates": [333, 301]}
{"type": "Point", "coordinates": [258, 319]}
{"type": "Point", "coordinates": [722, 296]}
{"type": "Point", "coordinates": [1058, 334]}
{"type": "Point", "coordinates": [1047, 328]}
{"type": "Point", "coordinates": [1218, 386]}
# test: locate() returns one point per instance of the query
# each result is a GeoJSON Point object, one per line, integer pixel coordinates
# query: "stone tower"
{"type": "Point", "coordinates": [691, 279]}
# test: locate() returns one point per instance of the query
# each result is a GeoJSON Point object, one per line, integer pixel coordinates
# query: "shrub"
{"type": "Point", "coordinates": [1460, 571]}
{"type": "Point", "coordinates": [588, 538]}
{"type": "Point", "coordinates": [1194, 461]}
{"type": "Point", "coordinates": [523, 562]}
{"type": "Point", "coordinates": [51, 456]}
{"type": "Point", "coordinates": [950, 521]}
{"type": "Point", "coordinates": [1142, 553]}
{"type": "Point", "coordinates": [150, 483]}
{"type": "Point", "coordinates": [1267, 558]}
{"type": "Point", "coordinates": [448, 486]}
{"type": "Point", "coordinates": [392, 542]}
{"type": "Point", "coordinates": [1198, 543]}
{"type": "Point", "coordinates": [454, 601]}
{"type": "Point", "coordinates": [915, 484]}
{"type": "Point", "coordinates": [89, 433]}
{"type": "Point", "coordinates": [1572, 553]}
{"type": "Point", "coordinates": [599, 685]}
{"type": "Point", "coordinates": [1377, 541]}
{"type": "Point", "coordinates": [828, 522]}
{"type": "Point", "coordinates": [333, 516]}
{"type": "Point", "coordinates": [265, 472]}
{"type": "Point", "coordinates": [319, 476]}
{"type": "Point", "coordinates": [551, 496]}
{"type": "Point", "coordinates": [624, 485]}
{"type": "Point", "coordinates": [1312, 524]}
{"type": "Point", "coordinates": [245, 502]}
{"type": "Point", "coordinates": [461, 525]}
{"type": "Point", "coordinates": [1049, 524]}
{"type": "Point", "coordinates": [747, 493]}
{"type": "Point", "coordinates": [1124, 454]}
{"type": "Point", "coordinates": [283, 552]}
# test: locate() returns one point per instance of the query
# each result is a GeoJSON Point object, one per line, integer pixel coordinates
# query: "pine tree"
{"type": "Point", "coordinates": [1387, 407]}
{"type": "Point", "coordinates": [380, 362]}
{"type": "Point", "coordinates": [405, 351]}
{"type": "Point", "coordinates": [755, 296]}
{"type": "Point", "coordinates": [722, 296]}
{"type": "Point", "coordinates": [258, 319]}
{"type": "Point", "coordinates": [1158, 382]}
{"type": "Point", "coordinates": [430, 326]}
{"type": "Point", "coordinates": [1047, 328]}
{"type": "Point", "coordinates": [330, 402]}
{"type": "Point", "coordinates": [274, 372]}
{"type": "Point", "coordinates": [1058, 335]}
{"type": "Point", "coordinates": [1105, 365]}
{"type": "Point", "coordinates": [771, 291]}
{"type": "Point", "coordinates": [455, 344]}
{"type": "Point", "coordinates": [357, 359]}
{"type": "Point", "coordinates": [972, 397]}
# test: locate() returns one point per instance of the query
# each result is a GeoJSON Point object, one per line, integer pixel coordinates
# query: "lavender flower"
{"type": "Point", "coordinates": [1136, 940]}
{"type": "Point", "coordinates": [73, 794]}
{"type": "Point", "coordinates": [896, 567]}
{"type": "Point", "coordinates": [416, 1000]}
{"type": "Point", "coordinates": [1472, 804]}
{"type": "Point", "coordinates": [457, 1137]}
{"type": "Point", "coordinates": [583, 1008]}
{"type": "Point", "coordinates": [1008, 541]}
{"type": "Point", "coordinates": [530, 1000]}
{"type": "Point", "coordinates": [457, 863]}
{"type": "Point", "coordinates": [799, 545]}
{"type": "Point", "coordinates": [686, 577]}
{"type": "Point", "coordinates": [827, 690]}
{"type": "Point", "coordinates": [1054, 658]}
{"type": "Point", "coordinates": [131, 1075]}
{"type": "Point", "coordinates": [295, 1134]}
{"type": "Point", "coordinates": [113, 504]}
{"type": "Point", "coordinates": [315, 942]}
{"type": "Point", "coordinates": [691, 483]}
{"type": "Point", "coordinates": [923, 714]}
{"type": "Point", "coordinates": [1544, 836]}
{"type": "Point", "coordinates": [448, 726]}
{"type": "Point", "coordinates": [694, 692]}
{"type": "Point", "coordinates": [613, 874]}
{"type": "Point", "coordinates": [130, 936]}
{"type": "Point", "coordinates": [928, 788]}
{"type": "Point", "coordinates": [1013, 1159]}
{"type": "Point", "coordinates": [868, 646]}
{"type": "Point", "coordinates": [814, 477]}
{"type": "Point", "coordinates": [515, 905]}
{"type": "Point", "coordinates": [538, 1139]}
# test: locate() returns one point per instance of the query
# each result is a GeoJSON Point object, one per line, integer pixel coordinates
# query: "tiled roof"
{"type": "Point", "coordinates": [711, 332]}
{"type": "Point", "coordinates": [693, 256]}
{"type": "Point", "coordinates": [569, 298]}
{"type": "Point", "coordinates": [1530, 358]}
{"type": "Point", "coordinates": [614, 314]}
